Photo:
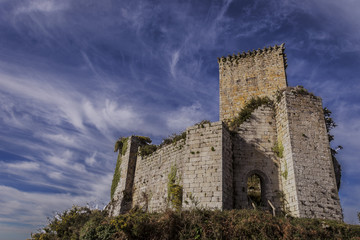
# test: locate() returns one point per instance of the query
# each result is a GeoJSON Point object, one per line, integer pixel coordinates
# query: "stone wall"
{"type": "Point", "coordinates": [287, 175]}
{"type": "Point", "coordinates": [203, 171]}
{"type": "Point", "coordinates": [253, 154]}
{"type": "Point", "coordinates": [257, 73]}
{"type": "Point", "coordinates": [227, 170]}
{"type": "Point", "coordinates": [310, 183]}
{"type": "Point", "coordinates": [206, 179]}
{"type": "Point", "coordinates": [151, 177]}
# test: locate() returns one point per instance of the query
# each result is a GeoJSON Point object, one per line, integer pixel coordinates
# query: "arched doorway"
{"type": "Point", "coordinates": [255, 191]}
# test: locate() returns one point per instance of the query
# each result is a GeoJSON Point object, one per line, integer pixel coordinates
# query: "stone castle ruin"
{"type": "Point", "coordinates": [270, 150]}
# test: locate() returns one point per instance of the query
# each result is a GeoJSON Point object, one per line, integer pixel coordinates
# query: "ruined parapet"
{"type": "Point", "coordinates": [208, 167]}
{"type": "Point", "coordinates": [203, 166]}
{"type": "Point", "coordinates": [152, 176]}
{"type": "Point", "coordinates": [242, 76]}
{"type": "Point", "coordinates": [307, 173]}
{"type": "Point", "coordinates": [121, 201]}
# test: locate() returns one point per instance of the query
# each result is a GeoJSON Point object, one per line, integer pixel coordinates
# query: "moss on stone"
{"type": "Point", "coordinates": [121, 146]}
{"type": "Point", "coordinates": [116, 177]}
{"type": "Point", "coordinates": [175, 190]}
{"type": "Point", "coordinates": [278, 149]}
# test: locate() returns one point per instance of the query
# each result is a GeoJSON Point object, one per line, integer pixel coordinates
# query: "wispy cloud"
{"type": "Point", "coordinates": [47, 6]}
{"type": "Point", "coordinates": [185, 117]}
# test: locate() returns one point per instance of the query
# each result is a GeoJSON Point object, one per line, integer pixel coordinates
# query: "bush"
{"type": "Point", "coordinates": [83, 223]}
{"type": "Point", "coordinates": [146, 150]}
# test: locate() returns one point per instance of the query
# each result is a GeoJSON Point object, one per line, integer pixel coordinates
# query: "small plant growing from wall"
{"type": "Point", "coordinates": [193, 200]}
{"type": "Point", "coordinates": [174, 138]}
{"type": "Point", "coordinates": [285, 172]}
{"type": "Point", "coordinates": [284, 203]}
{"type": "Point", "coordinates": [201, 124]}
{"type": "Point", "coordinates": [175, 190]}
{"type": "Point", "coordinates": [278, 149]}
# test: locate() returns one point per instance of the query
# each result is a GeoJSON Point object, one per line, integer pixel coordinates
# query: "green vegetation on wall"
{"type": "Point", "coordinates": [175, 190]}
{"type": "Point", "coordinates": [278, 149]}
{"type": "Point", "coordinates": [297, 90]}
{"type": "Point", "coordinates": [120, 146]}
{"type": "Point", "coordinates": [202, 123]}
{"type": "Point", "coordinates": [285, 172]}
{"type": "Point", "coordinates": [174, 138]}
{"type": "Point", "coordinates": [147, 149]}
{"type": "Point", "coordinates": [248, 109]}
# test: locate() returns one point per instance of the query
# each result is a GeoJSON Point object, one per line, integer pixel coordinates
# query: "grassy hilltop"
{"type": "Point", "coordinates": [84, 223]}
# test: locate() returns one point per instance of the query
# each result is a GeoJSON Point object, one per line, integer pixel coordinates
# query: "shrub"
{"type": "Point", "coordinates": [174, 138]}
{"type": "Point", "coordinates": [83, 223]}
{"type": "Point", "coordinates": [146, 150]}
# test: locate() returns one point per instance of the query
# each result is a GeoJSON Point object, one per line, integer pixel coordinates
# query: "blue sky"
{"type": "Point", "coordinates": [76, 75]}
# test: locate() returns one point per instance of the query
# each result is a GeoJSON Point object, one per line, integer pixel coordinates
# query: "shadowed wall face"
{"type": "Point", "coordinates": [259, 73]}
{"type": "Point", "coordinates": [253, 154]}
{"type": "Point", "coordinates": [309, 185]}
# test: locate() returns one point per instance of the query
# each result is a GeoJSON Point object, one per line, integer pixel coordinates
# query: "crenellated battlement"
{"type": "Point", "coordinates": [237, 57]}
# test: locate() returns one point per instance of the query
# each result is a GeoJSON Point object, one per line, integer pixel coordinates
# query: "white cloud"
{"type": "Point", "coordinates": [73, 107]}
{"type": "Point", "coordinates": [47, 6]}
{"type": "Point", "coordinates": [173, 62]}
{"type": "Point", "coordinates": [32, 208]}
{"type": "Point", "coordinates": [185, 117]}
{"type": "Point", "coordinates": [66, 161]}
{"type": "Point", "coordinates": [60, 139]}
{"type": "Point", "coordinates": [23, 166]}
{"type": "Point", "coordinates": [55, 175]}
{"type": "Point", "coordinates": [91, 160]}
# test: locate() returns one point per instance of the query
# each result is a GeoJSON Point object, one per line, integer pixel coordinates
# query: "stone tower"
{"type": "Point", "coordinates": [301, 178]}
{"type": "Point", "coordinates": [242, 76]}
{"type": "Point", "coordinates": [281, 152]}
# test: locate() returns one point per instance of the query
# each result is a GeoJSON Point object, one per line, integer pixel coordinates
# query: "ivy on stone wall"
{"type": "Point", "coordinates": [248, 109]}
{"type": "Point", "coordinates": [175, 190]}
{"type": "Point", "coordinates": [116, 177]}
{"type": "Point", "coordinates": [121, 147]}
{"type": "Point", "coordinates": [278, 149]}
